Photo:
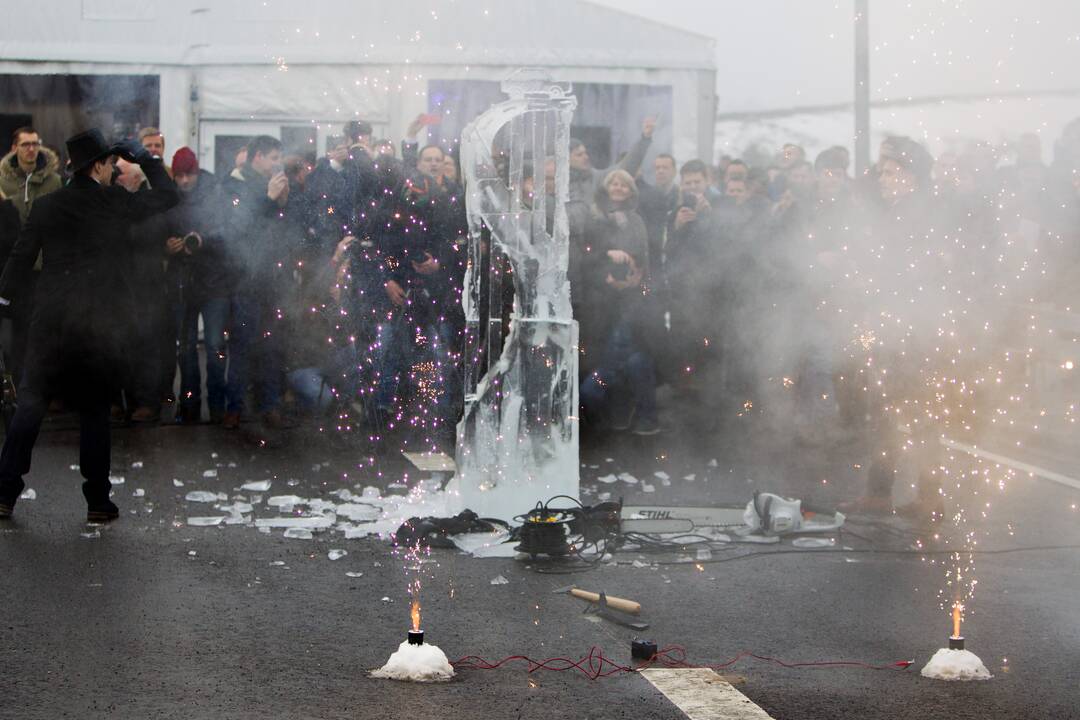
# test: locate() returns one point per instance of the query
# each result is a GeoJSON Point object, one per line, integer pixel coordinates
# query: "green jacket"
{"type": "Point", "coordinates": [24, 190]}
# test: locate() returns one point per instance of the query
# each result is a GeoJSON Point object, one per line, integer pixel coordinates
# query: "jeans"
{"type": "Point", "coordinates": [400, 345]}
{"type": "Point", "coordinates": [311, 388]}
{"type": "Point", "coordinates": [254, 353]}
{"type": "Point", "coordinates": [215, 313]}
{"type": "Point", "coordinates": [625, 373]}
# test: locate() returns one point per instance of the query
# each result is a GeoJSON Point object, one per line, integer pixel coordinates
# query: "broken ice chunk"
{"type": "Point", "coordinates": [661, 475]}
{"type": "Point", "coordinates": [177, 483]}
{"type": "Point", "coordinates": [90, 535]}
{"type": "Point", "coordinates": [285, 501]}
{"type": "Point", "coordinates": [316, 467]}
{"type": "Point", "coordinates": [499, 580]}
{"type": "Point", "coordinates": [713, 463]}
{"type": "Point", "coordinates": [139, 492]}
{"type": "Point", "coordinates": [73, 467]}
{"type": "Point", "coordinates": [372, 492]}
{"type": "Point", "coordinates": [28, 494]}
{"type": "Point", "coordinates": [646, 487]}
{"type": "Point", "coordinates": [137, 465]}
{"type": "Point", "coordinates": [357, 513]}
{"type": "Point", "coordinates": [315, 523]}
{"type": "Point", "coordinates": [809, 542]}
{"type": "Point", "coordinates": [386, 599]}
{"type": "Point", "coordinates": [607, 479]}
{"type": "Point", "coordinates": [278, 563]}
{"type": "Point", "coordinates": [237, 508]}
{"type": "Point", "coordinates": [690, 478]}
{"type": "Point", "coordinates": [205, 521]}
{"type": "Point", "coordinates": [205, 496]}
{"type": "Point", "coordinates": [297, 533]}
{"type": "Point", "coordinates": [628, 478]}
{"type": "Point", "coordinates": [604, 496]}
{"type": "Point", "coordinates": [337, 554]}
{"type": "Point", "coordinates": [256, 486]}
{"type": "Point", "coordinates": [354, 574]}
{"type": "Point", "coordinates": [292, 482]}
{"type": "Point", "coordinates": [116, 479]}
{"type": "Point", "coordinates": [209, 473]}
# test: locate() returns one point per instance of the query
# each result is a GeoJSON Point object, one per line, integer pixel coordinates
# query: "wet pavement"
{"type": "Point", "coordinates": [149, 617]}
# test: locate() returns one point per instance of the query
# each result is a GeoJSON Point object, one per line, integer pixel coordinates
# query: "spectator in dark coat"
{"type": "Point", "coordinates": [258, 234]}
{"type": "Point", "coordinates": [77, 354]}
{"type": "Point", "coordinates": [201, 280]}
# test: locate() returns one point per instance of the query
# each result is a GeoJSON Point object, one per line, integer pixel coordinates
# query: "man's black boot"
{"type": "Point", "coordinates": [99, 508]}
{"type": "Point", "coordinates": [9, 493]}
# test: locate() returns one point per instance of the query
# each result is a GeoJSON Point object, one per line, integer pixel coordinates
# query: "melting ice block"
{"type": "Point", "coordinates": [956, 665]}
{"type": "Point", "coordinates": [418, 663]}
{"type": "Point", "coordinates": [518, 437]}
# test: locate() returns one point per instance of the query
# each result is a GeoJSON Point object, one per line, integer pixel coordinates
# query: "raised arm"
{"type": "Point", "coordinates": [631, 163]}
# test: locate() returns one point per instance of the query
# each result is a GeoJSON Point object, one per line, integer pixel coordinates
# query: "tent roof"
{"type": "Point", "coordinates": [455, 32]}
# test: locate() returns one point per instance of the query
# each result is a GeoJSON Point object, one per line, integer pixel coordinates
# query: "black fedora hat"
{"type": "Point", "coordinates": [86, 148]}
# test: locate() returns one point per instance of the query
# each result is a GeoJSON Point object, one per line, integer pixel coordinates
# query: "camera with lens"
{"type": "Point", "coordinates": [192, 242]}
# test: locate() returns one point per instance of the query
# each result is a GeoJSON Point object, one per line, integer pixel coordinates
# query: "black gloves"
{"type": "Point", "coordinates": [132, 151]}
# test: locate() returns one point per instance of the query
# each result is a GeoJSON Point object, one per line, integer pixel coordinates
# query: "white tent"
{"type": "Point", "coordinates": [240, 67]}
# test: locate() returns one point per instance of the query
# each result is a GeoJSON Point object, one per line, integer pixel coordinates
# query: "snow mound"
{"type": "Point", "coordinates": [418, 663]}
{"type": "Point", "coordinates": [956, 665]}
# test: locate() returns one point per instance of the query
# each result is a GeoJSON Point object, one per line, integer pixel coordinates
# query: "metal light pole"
{"type": "Point", "coordinates": [862, 87]}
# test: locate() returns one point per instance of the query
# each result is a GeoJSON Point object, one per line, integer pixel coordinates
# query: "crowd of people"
{"type": "Point", "coordinates": [331, 287]}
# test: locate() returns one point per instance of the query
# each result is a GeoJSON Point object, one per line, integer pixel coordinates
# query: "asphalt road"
{"type": "Point", "coordinates": [151, 618]}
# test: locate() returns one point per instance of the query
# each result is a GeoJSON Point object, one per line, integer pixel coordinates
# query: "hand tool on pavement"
{"type": "Point", "coordinates": [615, 603]}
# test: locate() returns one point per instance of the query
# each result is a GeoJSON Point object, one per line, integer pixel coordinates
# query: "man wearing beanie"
{"type": "Point", "coordinates": [81, 332]}
{"type": "Point", "coordinates": [200, 283]}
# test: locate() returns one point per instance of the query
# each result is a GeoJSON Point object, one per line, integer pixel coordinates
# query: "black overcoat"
{"type": "Point", "coordinates": [81, 333]}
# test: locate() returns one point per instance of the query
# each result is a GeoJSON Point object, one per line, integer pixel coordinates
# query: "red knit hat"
{"type": "Point", "coordinates": [184, 161]}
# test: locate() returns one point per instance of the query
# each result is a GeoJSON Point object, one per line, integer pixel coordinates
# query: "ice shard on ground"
{"type": "Point", "coordinates": [518, 438]}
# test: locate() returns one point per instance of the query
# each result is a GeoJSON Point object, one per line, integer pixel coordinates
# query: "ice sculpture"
{"type": "Point", "coordinates": [518, 438]}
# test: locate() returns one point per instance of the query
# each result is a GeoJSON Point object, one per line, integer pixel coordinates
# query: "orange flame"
{"type": "Point", "coordinates": [957, 616]}
{"type": "Point", "coordinates": [415, 614]}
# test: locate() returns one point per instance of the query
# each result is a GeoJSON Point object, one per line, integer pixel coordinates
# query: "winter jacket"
{"type": "Point", "coordinates": [425, 219]}
{"type": "Point", "coordinates": [206, 273]}
{"type": "Point", "coordinates": [23, 189]}
{"type": "Point", "coordinates": [259, 234]}
{"type": "Point", "coordinates": [611, 229]}
{"type": "Point", "coordinates": [9, 229]}
{"type": "Point", "coordinates": [81, 334]}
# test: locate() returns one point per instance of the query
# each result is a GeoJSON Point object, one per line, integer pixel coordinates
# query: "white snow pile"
{"type": "Point", "coordinates": [956, 665]}
{"type": "Point", "coordinates": [417, 663]}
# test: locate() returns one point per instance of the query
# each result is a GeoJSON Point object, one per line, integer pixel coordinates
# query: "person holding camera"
{"type": "Point", "coordinates": [81, 332]}
{"type": "Point", "coordinates": [620, 390]}
{"type": "Point", "coordinates": [200, 281]}
{"type": "Point", "coordinates": [259, 231]}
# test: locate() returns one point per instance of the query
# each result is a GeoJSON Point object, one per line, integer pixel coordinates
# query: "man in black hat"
{"type": "Point", "coordinates": [84, 308]}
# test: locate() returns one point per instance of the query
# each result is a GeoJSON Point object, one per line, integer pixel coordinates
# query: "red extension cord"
{"type": "Point", "coordinates": [596, 665]}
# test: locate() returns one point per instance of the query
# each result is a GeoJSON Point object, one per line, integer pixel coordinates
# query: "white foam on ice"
{"type": "Point", "coordinates": [956, 665]}
{"type": "Point", "coordinates": [416, 663]}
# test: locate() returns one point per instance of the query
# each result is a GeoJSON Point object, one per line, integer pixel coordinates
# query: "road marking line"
{"type": "Point", "coordinates": [703, 695]}
{"type": "Point", "coordinates": [1016, 464]}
